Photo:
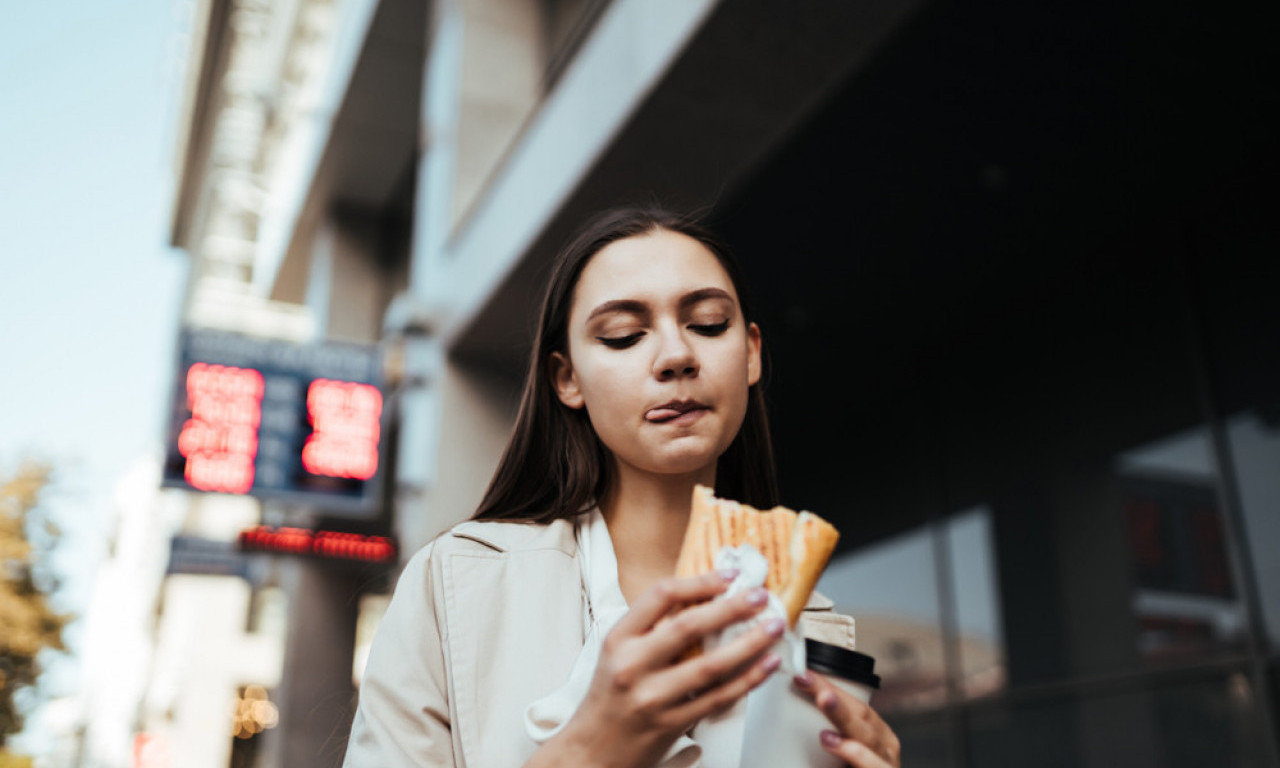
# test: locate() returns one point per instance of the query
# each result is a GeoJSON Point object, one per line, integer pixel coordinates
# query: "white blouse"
{"type": "Point", "coordinates": [714, 742]}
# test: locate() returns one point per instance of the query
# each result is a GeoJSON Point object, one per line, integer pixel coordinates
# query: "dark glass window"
{"type": "Point", "coordinates": [1073, 420]}
{"type": "Point", "coordinates": [1237, 275]}
{"type": "Point", "coordinates": [1205, 721]}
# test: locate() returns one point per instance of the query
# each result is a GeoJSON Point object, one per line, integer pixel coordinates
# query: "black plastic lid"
{"type": "Point", "coordinates": [841, 662]}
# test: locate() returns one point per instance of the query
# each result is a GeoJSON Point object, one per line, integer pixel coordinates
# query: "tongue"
{"type": "Point", "coordinates": [662, 414]}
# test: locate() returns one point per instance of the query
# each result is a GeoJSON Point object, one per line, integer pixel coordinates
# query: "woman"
{"type": "Point", "coordinates": [535, 634]}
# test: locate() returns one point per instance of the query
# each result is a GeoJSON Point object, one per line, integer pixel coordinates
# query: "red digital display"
{"type": "Point", "coordinates": [296, 423]}
{"type": "Point", "coordinates": [333, 545]}
{"type": "Point", "coordinates": [220, 440]}
{"type": "Point", "coordinates": [346, 422]}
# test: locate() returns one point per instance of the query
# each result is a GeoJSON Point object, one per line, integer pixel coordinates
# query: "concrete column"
{"type": "Point", "coordinates": [316, 695]}
{"type": "Point", "coordinates": [347, 290]}
{"type": "Point", "coordinates": [468, 414]}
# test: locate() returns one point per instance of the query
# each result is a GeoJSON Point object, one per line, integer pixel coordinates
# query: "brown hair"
{"type": "Point", "coordinates": [555, 466]}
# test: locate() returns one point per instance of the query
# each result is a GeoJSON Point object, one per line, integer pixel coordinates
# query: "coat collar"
{"type": "Point", "coordinates": [510, 536]}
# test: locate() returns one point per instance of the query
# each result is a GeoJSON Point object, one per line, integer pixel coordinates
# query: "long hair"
{"type": "Point", "coordinates": [554, 466]}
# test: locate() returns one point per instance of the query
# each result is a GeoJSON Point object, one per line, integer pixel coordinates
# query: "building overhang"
{"type": "Point", "coordinates": [362, 156]}
{"type": "Point", "coordinates": [748, 75]}
{"type": "Point", "coordinates": [205, 67]}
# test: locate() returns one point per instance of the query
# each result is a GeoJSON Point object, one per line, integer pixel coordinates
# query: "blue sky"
{"type": "Point", "coordinates": [89, 288]}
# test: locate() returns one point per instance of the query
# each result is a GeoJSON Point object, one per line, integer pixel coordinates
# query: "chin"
{"type": "Point", "coordinates": [683, 461]}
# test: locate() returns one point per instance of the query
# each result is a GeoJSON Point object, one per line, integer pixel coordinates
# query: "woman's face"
{"type": "Point", "coordinates": [660, 355]}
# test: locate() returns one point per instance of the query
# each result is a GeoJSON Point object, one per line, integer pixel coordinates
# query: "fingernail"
{"type": "Point", "coordinates": [805, 681]}
{"type": "Point", "coordinates": [775, 627]}
{"type": "Point", "coordinates": [757, 596]}
{"type": "Point", "coordinates": [830, 738]}
{"type": "Point", "coordinates": [827, 702]}
{"type": "Point", "coordinates": [728, 574]}
{"type": "Point", "coordinates": [771, 662]}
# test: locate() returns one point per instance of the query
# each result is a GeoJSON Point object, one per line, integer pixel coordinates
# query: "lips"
{"type": "Point", "coordinates": [675, 410]}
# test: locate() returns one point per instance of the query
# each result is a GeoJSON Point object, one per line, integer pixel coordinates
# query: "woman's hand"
{"type": "Point", "coordinates": [644, 695]}
{"type": "Point", "coordinates": [862, 739]}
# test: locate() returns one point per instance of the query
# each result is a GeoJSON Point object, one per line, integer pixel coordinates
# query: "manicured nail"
{"type": "Point", "coordinates": [827, 702]}
{"type": "Point", "coordinates": [771, 662]}
{"type": "Point", "coordinates": [728, 574]}
{"type": "Point", "coordinates": [775, 627]}
{"type": "Point", "coordinates": [830, 738]}
{"type": "Point", "coordinates": [804, 681]}
{"type": "Point", "coordinates": [757, 596]}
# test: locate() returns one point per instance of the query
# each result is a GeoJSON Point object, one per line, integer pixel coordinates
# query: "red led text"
{"type": "Point", "coordinates": [346, 419]}
{"type": "Point", "coordinates": [333, 545]}
{"type": "Point", "coordinates": [220, 440]}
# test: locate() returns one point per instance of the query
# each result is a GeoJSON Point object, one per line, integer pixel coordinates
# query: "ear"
{"type": "Point", "coordinates": [565, 381]}
{"type": "Point", "coordinates": [754, 344]}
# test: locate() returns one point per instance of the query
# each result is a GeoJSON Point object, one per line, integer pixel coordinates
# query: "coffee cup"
{"type": "Point", "coordinates": [782, 723]}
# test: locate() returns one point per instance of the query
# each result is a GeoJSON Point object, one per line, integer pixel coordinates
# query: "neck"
{"type": "Point", "coordinates": [647, 515]}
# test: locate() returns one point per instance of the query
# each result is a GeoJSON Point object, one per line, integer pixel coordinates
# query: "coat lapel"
{"type": "Point", "coordinates": [513, 610]}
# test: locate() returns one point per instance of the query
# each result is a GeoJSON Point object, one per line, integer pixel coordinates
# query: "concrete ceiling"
{"type": "Point", "coordinates": [374, 137]}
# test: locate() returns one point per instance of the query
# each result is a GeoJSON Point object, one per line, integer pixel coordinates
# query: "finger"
{"type": "Point", "coordinates": [851, 717]}
{"type": "Point", "coordinates": [669, 594]}
{"type": "Point", "coordinates": [672, 637]}
{"type": "Point", "coordinates": [710, 671]}
{"type": "Point", "coordinates": [853, 753]}
{"type": "Point", "coordinates": [724, 695]}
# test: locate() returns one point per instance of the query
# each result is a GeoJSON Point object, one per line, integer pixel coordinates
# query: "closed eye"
{"type": "Point", "coordinates": [620, 342]}
{"type": "Point", "coordinates": [711, 330]}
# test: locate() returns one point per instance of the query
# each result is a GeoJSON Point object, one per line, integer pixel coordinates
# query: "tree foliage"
{"type": "Point", "coordinates": [28, 624]}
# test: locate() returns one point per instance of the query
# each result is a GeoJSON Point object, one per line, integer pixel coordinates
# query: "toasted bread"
{"type": "Point", "coordinates": [797, 545]}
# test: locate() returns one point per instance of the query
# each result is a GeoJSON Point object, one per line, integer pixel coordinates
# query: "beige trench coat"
{"type": "Point", "coordinates": [484, 620]}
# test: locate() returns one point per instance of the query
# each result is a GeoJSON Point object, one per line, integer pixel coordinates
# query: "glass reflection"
{"type": "Point", "coordinates": [1207, 722]}
{"type": "Point", "coordinates": [977, 603]}
{"type": "Point", "coordinates": [1255, 447]}
{"type": "Point", "coordinates": [1183, 597]}
{"type": "Point", "coordinates": [890, 589]}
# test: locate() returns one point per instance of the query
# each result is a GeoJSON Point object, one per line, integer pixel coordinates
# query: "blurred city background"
{"type": "Point", "coordinates": [266, 301]}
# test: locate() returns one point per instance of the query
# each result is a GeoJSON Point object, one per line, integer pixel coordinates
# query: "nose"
{"type": "Point", "coordinates": [676, 358]}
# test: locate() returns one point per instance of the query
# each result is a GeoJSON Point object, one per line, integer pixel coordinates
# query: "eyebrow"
{"type": "Point", "coordinates": [634, 307]}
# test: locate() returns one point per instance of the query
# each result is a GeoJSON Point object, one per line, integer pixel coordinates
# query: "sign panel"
{"type": "Point", "coordinates": [205, 557]}
{"type": "Point", "coordinates": [272, 419]}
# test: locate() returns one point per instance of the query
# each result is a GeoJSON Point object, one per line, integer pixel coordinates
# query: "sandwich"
{"type": "Point", "coordinates": [796, 545]}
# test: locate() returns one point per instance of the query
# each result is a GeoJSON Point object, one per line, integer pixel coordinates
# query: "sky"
{"type": "Point", "coordinates": [89, 287]}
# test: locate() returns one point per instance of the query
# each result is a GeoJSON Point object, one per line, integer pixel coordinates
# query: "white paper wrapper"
{"type": "Point", "coordinates": [752, 569]}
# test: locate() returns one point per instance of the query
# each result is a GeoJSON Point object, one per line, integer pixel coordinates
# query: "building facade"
{"type": "Point", "coordinates": [1014, 269]}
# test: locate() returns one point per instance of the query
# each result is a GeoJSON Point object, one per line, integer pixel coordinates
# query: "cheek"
{"type": "Point", "coordinates": [733, 381]}
{"type": "Point", "coordinates": [604, 388]}
{"type": "Point", "coordinates": [730, 365]}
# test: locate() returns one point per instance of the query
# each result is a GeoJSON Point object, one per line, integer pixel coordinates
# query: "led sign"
{"type": "Point", "coordinates": [300, 423]}
{"type": "Point", "coordinates": [332, 545]}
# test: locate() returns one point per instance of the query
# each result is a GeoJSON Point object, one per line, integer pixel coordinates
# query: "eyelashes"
{"type": "Point", "coordinates": [622, 342]}
{"type": "Point", "coordinates": [711, 330]}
